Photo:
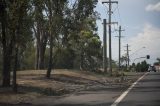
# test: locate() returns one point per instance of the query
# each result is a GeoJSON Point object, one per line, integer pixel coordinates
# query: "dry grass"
{"type": "Point", "coordinates": [72, 73]}
{"type": "Point", "coordinates": [33, 84]}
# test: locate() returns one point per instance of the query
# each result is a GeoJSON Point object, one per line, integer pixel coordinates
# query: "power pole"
{"type": "Point", "coordinates": [119, 62]}
{"type": "Point", "coordinates": [109, 25]}
{"type": "Point", "coordinates": [127, 54]}
{"type": "Point", "coordinates": [104, 45]}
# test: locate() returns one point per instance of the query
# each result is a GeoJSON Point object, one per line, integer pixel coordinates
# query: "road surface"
{"type": "Point", "coordinates": [145, 93]}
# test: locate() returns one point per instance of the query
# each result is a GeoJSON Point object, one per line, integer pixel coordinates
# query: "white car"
{"type": "Point", "coordinates": [151, 68]}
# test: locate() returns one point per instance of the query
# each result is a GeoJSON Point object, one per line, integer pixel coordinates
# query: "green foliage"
{"type": "Point", "coordinates": [123, 60]}
{"type": "Point", "coordinates": [158, 62]}
{"type": "Point", "coordinates": [63, 58]}
{"type": "Point", "coordinates": [13, 18]}
{"type": "Point", "coordinates": [142, 67]}
{"type": "Point", "coordinates": [88, 48]}
{"type": "Point", "coordinates": [27, 58]}
{"type": "Point", "coordinates": [158, 59]}
{"type": "Point", "coordinates": [114, 64]}
{"type": "Point", "coordinates": [76, 43]}
{"type": "Point", "coordinates": [138, 67]}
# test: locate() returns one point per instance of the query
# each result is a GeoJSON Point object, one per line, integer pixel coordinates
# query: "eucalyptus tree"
{"type": "Point", "coordinates": [40, 28]}
{"type": "Point", "coordinates": [89, 49]}
{"type": "Point", "coordinates": [22, 35]}
{"type": "Point", "coordinates": [83, 17]}
{"type": "Point", "coordinates": [54, 12]}
{"type": "Point", "coordinates": [12, 18]}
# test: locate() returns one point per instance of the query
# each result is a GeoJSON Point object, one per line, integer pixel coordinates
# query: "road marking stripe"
{"type": "Point", "coordinates": [119, 99]}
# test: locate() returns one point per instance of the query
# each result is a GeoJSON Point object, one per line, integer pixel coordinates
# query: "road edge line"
{"type": "Point", "coordinates": [120, 98]}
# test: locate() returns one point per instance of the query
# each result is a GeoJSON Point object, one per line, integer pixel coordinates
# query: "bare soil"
{"type": "Point", "coordinates": [33, 84]}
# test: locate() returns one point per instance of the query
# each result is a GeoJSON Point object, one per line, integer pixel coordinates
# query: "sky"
{"type": "Point", "coordinates": [141, 21]}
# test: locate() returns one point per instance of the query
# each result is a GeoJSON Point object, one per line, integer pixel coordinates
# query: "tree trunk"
{"type": "Point", "coordinates": [41, 56]}
{"type": "Point", "coordinates": [6, 70]}
{"type": "Point", "coordinates": [37, 56]}
{"type": "Point", "coordinates": [14, 70]}
{"type": "Point", "coordinates": [7, 52]}
{"type": "Point", "coordinates": [40, 36]}
{"type": "Point", "coordinates": [48, 74]}
{"type": "Point", "coordinates": [81, 61]}
{"type": "Point", "coordinates": [6, 57]}
{"type": "Point", "coordinates": [50, 58]}
{"type": "Point", "coordinates": [40, 51]}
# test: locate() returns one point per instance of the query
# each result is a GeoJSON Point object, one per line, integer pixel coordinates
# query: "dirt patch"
{"type": "Point", "coordinates": [33, 84]}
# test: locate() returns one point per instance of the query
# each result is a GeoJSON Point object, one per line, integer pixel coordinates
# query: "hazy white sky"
{"type": "Point", "coordinates": [141, 21]}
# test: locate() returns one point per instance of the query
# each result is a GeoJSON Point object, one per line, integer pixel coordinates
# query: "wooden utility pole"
{"type": "Point", "coordinates": [104, 45]}
{"type": "Point", "coordinates": [119, 62]}
{"type": "Point", "coordinates": [127, 54]}
{"type": "Point", "coordinates": [109, 26]}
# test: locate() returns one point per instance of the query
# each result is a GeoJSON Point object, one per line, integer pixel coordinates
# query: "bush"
{"type": "Point", "coordinates": [63, 58]}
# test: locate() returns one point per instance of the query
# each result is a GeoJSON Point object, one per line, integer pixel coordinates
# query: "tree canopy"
{"type": "Point", "coordinates": [48, 34]}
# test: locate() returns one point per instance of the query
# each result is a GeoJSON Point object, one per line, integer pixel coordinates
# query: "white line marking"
{"type": "Point", "coordinates": [119, 99]}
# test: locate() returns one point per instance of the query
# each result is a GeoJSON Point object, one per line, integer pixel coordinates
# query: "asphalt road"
{"type": "Point", "coordinates": [145, 93]}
